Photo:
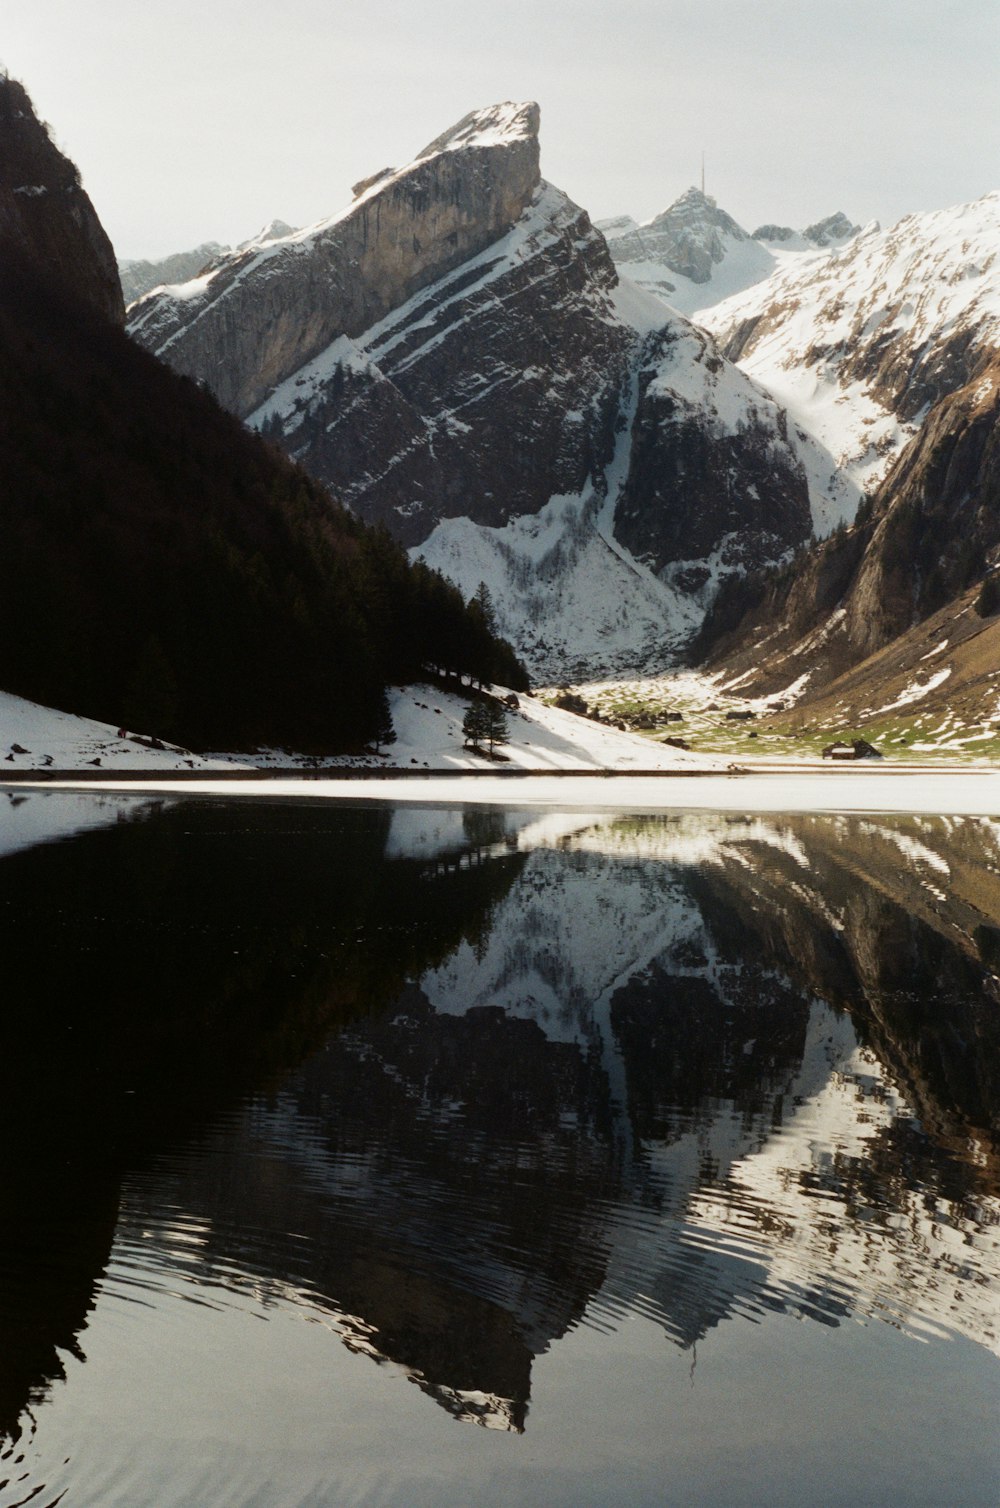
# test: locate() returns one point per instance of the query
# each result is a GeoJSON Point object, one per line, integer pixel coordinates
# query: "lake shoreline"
{"type": "Point", "coordinates": [745, 788]}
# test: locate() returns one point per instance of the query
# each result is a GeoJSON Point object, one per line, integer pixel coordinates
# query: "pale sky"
{"type": "Point", "coordinates": [195, 120]}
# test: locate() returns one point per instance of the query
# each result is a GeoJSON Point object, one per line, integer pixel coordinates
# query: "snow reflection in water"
{"type": "Point", "coordinates": [517, 1081]}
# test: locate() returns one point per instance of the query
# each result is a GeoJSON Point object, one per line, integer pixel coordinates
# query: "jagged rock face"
{"type": "Point", "coordinates": [266, 312]}
{"type": "Point", "coordinates": [711, 473]}
{"type": "Point", "coordinates": [414, 422]}
{"type": "Point", "coordinates": [940, 518]}
{"type": "Point", "coordinates": [688, 235]}
{"type": "Point", "coordinates": [47, 222]}
{"type": "Point", "coordinates": [772, 232]}
{"type": "Point", "coordinates": [835, 227]}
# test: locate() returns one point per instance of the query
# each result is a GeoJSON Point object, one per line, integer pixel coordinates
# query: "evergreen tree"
{"type": "Point", "coordinates": [497, 731]}
{"type": "Point", "coordinates": [476, 725]}
{"type": "Point", "coordinates": [482, 602]}
{"type": "Point", "coordinates": [384, 733]}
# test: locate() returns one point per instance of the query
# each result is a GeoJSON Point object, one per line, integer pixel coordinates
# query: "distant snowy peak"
{"type": "Point", "coordinates": [835, 230]}
{"type": "Point", "coordinates": [689, 237]}
{"type": "Point", "coordinates": [140, 276]}
{"type": "Point", "coordinates": [694, 254]}
{"type": "Point", "coordinates": [691, 254]}
{"type": "Point", "coordinates": [274, 230]}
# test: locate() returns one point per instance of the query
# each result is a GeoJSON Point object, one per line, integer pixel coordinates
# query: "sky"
{"type": "Point", "coordinates": [202, 121]}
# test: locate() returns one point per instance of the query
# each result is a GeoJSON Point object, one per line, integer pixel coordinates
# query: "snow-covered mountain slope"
{"type": "Point", "coordinates": [860, 341]}
{"type": "Point", "coordinates": [693, 255]}
{"type": "Point", "coordinates": [140, 276]}
{"type": "Point", "coordinates": [455, 356]}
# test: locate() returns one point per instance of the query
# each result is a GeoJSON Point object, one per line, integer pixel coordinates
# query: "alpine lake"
{"type": "Point", "coordinates": [368, 1155]}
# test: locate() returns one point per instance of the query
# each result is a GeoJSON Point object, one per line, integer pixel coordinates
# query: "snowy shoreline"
{"type": "Point", "coordinates": [552, 758]}
{"type": "Point", "coordinates": [944, 792]}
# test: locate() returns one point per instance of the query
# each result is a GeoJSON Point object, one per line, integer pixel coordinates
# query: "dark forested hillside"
{"type": "Point", "coordinates": [162, 567]}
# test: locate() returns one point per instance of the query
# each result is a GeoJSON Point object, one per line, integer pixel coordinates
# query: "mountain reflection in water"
{"type": "Point", "coordinates": [459, 1082]}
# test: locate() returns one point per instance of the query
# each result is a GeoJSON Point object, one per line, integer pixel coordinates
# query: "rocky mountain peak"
{"type": "Point", "coordinates": [274, 230]}
{"type": "Point", "coordinates": [688, 235]}
{"type": "Point", "coordinates": [834, 228]}
{"type": "Point", "coordinates": [496, 125]}
{"type": "Point", "coordinates": [687, 240]}
{"type": "Point", "coordinates": [403, 231]}
{"type": "Point", "coordinates": [47, 222]}
{"type": "Point", "coordinates": [772, 232]}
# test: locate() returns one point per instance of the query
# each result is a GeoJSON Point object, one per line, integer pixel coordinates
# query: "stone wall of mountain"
{"type": "Point", "coordinates": [495, 387]}
{"type": "Point", "coordinates": [47, 222]}
{"type": "Point", "coordinates": [712, 479]}
{"type": "Point", "coordinates": [269, 311]}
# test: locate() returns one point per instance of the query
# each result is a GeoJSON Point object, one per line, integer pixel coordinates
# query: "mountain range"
{"type": "Point", "coordinates": [620, 428]}
{"type": "Point", "coordinates": [772, 453]}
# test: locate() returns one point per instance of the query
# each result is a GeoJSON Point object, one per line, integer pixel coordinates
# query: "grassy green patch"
{"type": "Point", "coordinates": [940, 737]}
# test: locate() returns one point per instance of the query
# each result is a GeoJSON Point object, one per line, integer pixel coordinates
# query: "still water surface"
{"type": "Point", "coordinates": [374, 1156]}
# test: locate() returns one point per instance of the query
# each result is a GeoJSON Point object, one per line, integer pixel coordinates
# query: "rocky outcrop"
{"type": "Point", "coordinates": [688, 237]}
{"type": "Point", "coordinates": [833, 228]}
{"type": "Point", "coordinates": [139, 277]}
{"type": "Point", "coordinates": [48, 226]}
{"type": "Point", "coordinates": [772, 232]}
{"type": "Point", "coordinates": [261, 315]}
{"type": "Point", "coordinates": [713, 483]}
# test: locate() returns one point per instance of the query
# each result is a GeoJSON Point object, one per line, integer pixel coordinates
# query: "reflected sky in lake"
{"type": "Point", "coordinates": [664, 1148]}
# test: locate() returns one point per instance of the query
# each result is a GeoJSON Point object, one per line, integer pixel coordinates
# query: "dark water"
{"type": "Point", "coordinates": [364, 1156]}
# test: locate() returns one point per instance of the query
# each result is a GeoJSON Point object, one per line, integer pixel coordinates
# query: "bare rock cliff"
{"type": "Point", "coordinates": [265, 312]}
